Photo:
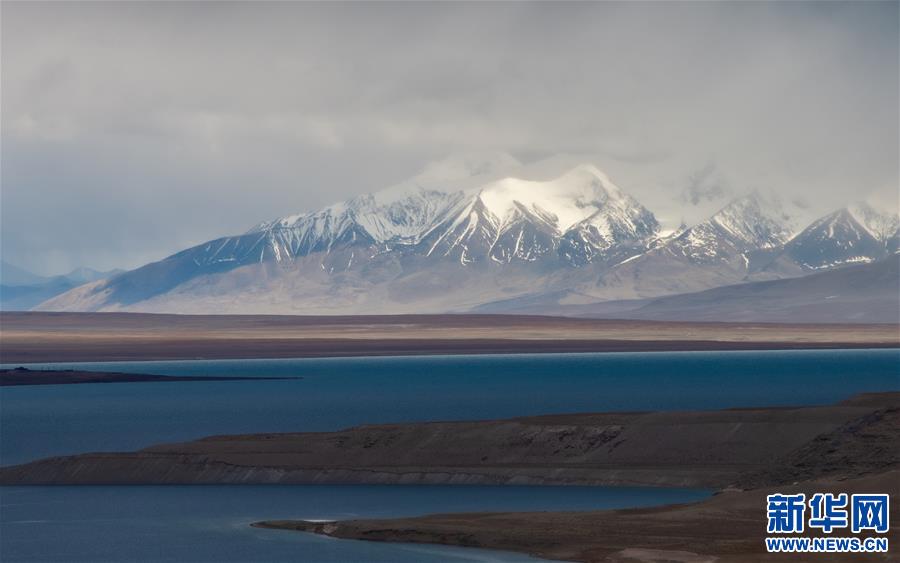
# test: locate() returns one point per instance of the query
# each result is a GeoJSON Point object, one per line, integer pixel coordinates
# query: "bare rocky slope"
{"type": "Point", "coordinates": [688, 449]}
{"type": "Point", "coordinates": [859, 456]}
{"type": "Point", "coordinates": [868, 292]}
{"type": "Point", "coordinates": [728, 527]}
{"type": "Point", "coordinates": [862, 293]}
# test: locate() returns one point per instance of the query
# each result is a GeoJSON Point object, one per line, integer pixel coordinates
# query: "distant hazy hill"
{"type": "Point", "coordinates": [10, 274]}
{"type": "Point", "coordinates": [21, 290]}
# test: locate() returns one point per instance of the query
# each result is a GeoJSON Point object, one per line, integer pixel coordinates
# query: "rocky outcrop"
{"type": "Point", "coordinates": [727, 527]}
{"type": "Point", "coordinates": [685, 449]}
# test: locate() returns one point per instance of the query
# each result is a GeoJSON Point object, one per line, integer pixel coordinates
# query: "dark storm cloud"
{"type": "Point", "coordinates": [131, 130]}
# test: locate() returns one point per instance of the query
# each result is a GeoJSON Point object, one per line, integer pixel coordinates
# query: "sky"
{"type": "Point", "coordinates": [133, 130]}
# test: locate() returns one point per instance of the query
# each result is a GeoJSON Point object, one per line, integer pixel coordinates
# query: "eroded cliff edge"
{"type": "Point", "coordinates": [728, 527]}
{"type": "Point", "coordinates": [716, 449]}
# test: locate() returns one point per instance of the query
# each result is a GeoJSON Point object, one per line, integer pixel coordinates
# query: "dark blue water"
{"type": "Point", "coordinates": [335, 393]}
{"type": "Point", "coordinates": [210, 523]}
{"type": "Point", "coordinates": [205, 524]}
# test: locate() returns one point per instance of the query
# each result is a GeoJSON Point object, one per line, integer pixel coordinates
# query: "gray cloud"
{"type": "Point", "coordinates": [131, 130]}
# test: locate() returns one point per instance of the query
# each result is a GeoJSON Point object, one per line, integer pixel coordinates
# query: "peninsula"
{"type": "Point", "coordinates": [747, 448]}
{"type": "Point", "coordinates": [743, 453]}
{"type": "Point", "coordinates": [22, 376]}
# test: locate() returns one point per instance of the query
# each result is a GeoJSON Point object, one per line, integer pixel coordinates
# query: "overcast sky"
{"type": "Point", "coordinates": [131, 131]}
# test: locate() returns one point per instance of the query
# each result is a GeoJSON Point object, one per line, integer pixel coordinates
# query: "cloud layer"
{"type": "Point", "coordinates": [131, 130]}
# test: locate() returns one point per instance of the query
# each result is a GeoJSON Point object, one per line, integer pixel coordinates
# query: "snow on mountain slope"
{"type": "Point", "coordinates": [882, 226]}
{"type": "Point", "coordinates": [724, 249]}
{"type": "Point", "coordinates": [745, 226]}
{"type": "Point", "coordinates": [854, 234]}
{"type": "Point", "coordinates": [574, 218]}
{"type": "Point", "coordinates": [367, 217]}
{"type": "Point", "coordinates": [401, 212]}
{"type": "Point", "coordinates": [570, 220]}
{"type": "Point", "coordinates": [572, 198]}
{"type": "Point", "coordinates": [471, 230]}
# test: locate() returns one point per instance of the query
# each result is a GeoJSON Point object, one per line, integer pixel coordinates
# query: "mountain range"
{"type": "Point", "coordinates": [481, 233]}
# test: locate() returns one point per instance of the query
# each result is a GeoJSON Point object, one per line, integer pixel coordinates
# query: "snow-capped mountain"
{"type": "Point", "coordinates": [576, 218]}
{"type": "Point", "coordinates": [469, 231]}
{"type": "Point", "coordinates": [883, 227]}
{"type": "Point", "coordinates": [402, 237]}
{"type": "Point", "coordinates": [734, 242]}
{"type": "Point", "coordinates": [401, 213]}
{"type": "Point", "coordinates": [854, 234]}
{"type": "Point", "coordinates": [748, 224]}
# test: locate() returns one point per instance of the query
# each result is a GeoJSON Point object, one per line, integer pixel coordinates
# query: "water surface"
{"type": "Point", "coordinates": [201, 524]}
{"type": "Point", "coordinates": [210, 523]}
{"type": "Point", "coordinates": [336, 393]}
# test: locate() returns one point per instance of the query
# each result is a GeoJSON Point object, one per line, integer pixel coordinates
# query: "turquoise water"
{"type": "Point", "coordinates": [202, 524]}
{"type": "Point", "coordinates": [336, 393]}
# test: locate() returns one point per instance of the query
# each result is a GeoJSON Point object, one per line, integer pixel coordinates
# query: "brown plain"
{"type": "Point", "coordinates": [45, 337]}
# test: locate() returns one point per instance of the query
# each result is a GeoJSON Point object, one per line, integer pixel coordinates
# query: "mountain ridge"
{"type": "Point", "coordinates": [464, 234]}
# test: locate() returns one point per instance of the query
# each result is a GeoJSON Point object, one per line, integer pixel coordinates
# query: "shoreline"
{"type": "Point", "coordinates": [729, 526]}
{"type": "Point", "coordinates": [743, 454]}
{"type": "Point", "coordinates": [24, 377]}
{"type": "Point", "coordinates": [389, 353]}
{"type": "Point", "coordinates": [94, 337]}
{"type": "Point", "coordinates": [718, 449]}
{"type": "Point", "coordinates": [74, 364]}
{"type": "Point", "coordinates": [274, 350]}
{"type": "Point", "coordinates": [858, 455]}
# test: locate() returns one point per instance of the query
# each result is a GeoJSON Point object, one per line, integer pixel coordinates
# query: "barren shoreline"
{"type": "Point", "coordinates": [745, 453]}
{"type": "Point", "coordinates": [703, 449]}
{"type": "Point", "coordinates": [20, 376]}
{"type": "Point", "coordinates": [728, 527]}
{"type": "Point", "coordinates": [71, 337]}
{"type": "Point", "coordinates": [857, 456]}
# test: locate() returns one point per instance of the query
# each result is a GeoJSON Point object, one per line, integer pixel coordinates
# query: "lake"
{"type": "Point", "coordinates": [336, 393]}
{"type": "Point", "coordinates": [210, 523]}
{"type": "Point", "coordinates": [201, 524]}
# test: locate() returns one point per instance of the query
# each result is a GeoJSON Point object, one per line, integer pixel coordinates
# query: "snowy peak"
{"type": "Point", "coordinates": [475, 228]}
{"type": "Point", "coordinates": [400, 210]}
{"type": "Point", "coordinates": [854, 234]}
{"type": "Point", "coordinates": [501, 219]}
{"type": "Point", "coordinates": [400, 219]}
{"type": "Point", "coordinates": [748, 224]}
{"type": "Point", "coordinates": [882, 226]}
{"type": "Point", "coordinates": [756, 220]}
{"type": "Point", "coordinates": [564, 202]}
{"type": "Point", "coordinates": [469, 209]}
{"type": "Point", "coordinates": [575, 218]}
{"type": "Point", "coordinates": [403, 220]}
{"type": "Point", "coordinates": [452, 174]}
